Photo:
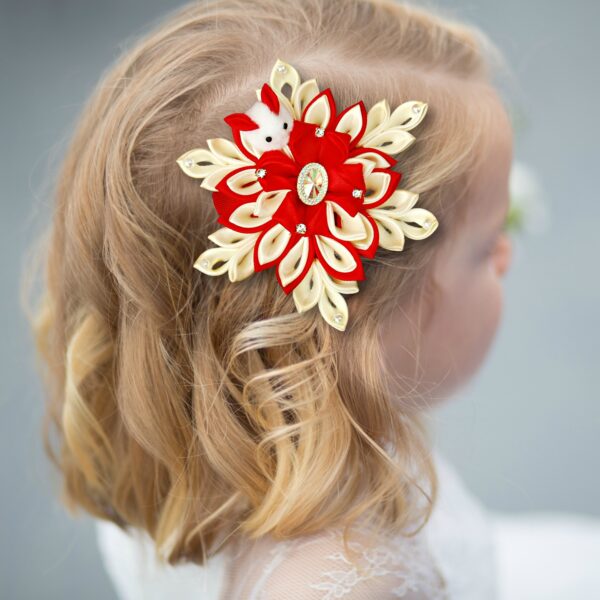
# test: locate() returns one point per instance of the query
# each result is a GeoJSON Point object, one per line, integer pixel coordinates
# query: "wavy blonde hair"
{"type": "Point", "coordinates": [195, 408]}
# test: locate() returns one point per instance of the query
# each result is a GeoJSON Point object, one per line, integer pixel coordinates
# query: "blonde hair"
{"type": "Point", "coordinates": [193, 407]}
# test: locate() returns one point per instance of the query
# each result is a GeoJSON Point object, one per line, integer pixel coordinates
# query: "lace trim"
{"type": "Point", "coordinates": [404, 562]}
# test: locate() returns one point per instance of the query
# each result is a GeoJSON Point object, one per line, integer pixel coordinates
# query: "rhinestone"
{"type": "Point", "coordinates": [281, 69]}
{"type": "Point", "coordinates": [319, 132]}
{"type": "Point", "coordinates": [301, 228]}
{"type": "Point", "coordinates": [189, 163]}
{"type": "Point", "coordinates": [425, 225]}
{"type": "Point", "coordinates": [338, 317]}
{"type": "Point", "coordinates": [260, 173]}
{"type": "Point", "coordinates": [204, 263]}
{"type": "Point", "coordinates": [416, 109]}
{"type": "Point", "coordinates": [312, 183]}
{"type": "Point", "coordinates": [356, 193]}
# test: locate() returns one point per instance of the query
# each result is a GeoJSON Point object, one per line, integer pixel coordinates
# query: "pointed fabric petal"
{"type": "Point", "coordinates": [303, 95]}
{"type": "Point", "coordinates": [408, 115]}
{"type": "Point", "coordinates": [283, 74]}
{"type": "Point", "coordinates": [281, 170]}
{"type": "Point", "coordinates": [241, 183]}
{"type": "Point", "coordinates": [295, 263]}
{"type": "Point", "coordinates": [330, 149]}
{"type": "Point", "coordinates": [346, 265]}
{"type": "Point", "coordinates": [353, 121]}
{"type": "Point", "coordinates": [271, 245]}
{"type": "Point", "coordinates": [321, 110]}
{"type": "Point", "coordinates": [308, 292]}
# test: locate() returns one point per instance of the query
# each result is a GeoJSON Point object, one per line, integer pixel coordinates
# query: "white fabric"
{"type": "Point", "coordinates": [462, 553]}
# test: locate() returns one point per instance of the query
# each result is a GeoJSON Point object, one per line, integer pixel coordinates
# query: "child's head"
{"type": "Point", "coordinates": [435, 346]}
{"type": "Point", "coordinates": [190, 405]}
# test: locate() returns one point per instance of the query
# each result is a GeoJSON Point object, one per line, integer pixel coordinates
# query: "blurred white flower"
{"type": "Point", "coordinates": [527, 212]}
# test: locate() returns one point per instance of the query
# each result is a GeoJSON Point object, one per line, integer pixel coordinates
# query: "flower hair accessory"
{"type": "Point", "coordinates": [308, 191]}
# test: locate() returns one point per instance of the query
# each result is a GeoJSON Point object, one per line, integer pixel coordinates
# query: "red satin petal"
{"type": "Point", "coordinates": [262, 267]}
{"type": "Point", "coordinates": [355, 275]}
{"type": "Point", "coordinates": [330, 150]}
{"type": "Point", "coordinates": [224, 188]}
{"type": "Point", "coordinates": [357, 151]}
{"type": "Point", "coordinates": [291, 212]}
{"type": "Point", "coordinates": [224, 220]}
{"type": "Point", "coordinates": [372, 249]}
{"type": "Point", "coordinates": [237, 138]}
{"type": "Point", "coordinates": [363, 112]}
{"type": "Point", "coordinates": [394, 180]}
{"type": "Point", "coordinates": [281, 171]}
{"type": "Point", "coordinates": [311, 256]}
{"type": "Point", "coordinates": [316, 220]}
{"type": "Point", "coordinates": [327, 93]}
{"type": "Point", "coordinates": [342, 182]}
{"type": "Point", "coordinates": [334, 149]}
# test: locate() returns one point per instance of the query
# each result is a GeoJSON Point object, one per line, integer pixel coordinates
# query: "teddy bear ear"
{"type": "Point", "coordinates": [269, 97]}
{"type": "Point", "coordinates": [241, 122]}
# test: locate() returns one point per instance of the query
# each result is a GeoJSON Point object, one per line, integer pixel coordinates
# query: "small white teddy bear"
{"type": "Point", "coordinates": [266, 125]}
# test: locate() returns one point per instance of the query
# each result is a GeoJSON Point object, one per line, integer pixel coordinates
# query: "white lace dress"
{"type": "Point", "coordinates": [462, 553]}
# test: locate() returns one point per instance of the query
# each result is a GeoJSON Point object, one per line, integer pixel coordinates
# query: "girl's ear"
{"type": "Point", "coordinates": [240, 122]}
{"type": "Point", "coordinates": [269, 97]}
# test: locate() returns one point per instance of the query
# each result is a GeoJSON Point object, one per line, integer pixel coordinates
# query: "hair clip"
{"type": "Point", "coordinates": [308, 191]}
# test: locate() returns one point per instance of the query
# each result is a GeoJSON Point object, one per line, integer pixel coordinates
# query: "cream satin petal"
{"type": "Point", "coordinates": [303, 95]}
{"type": "Point", "coordinates": [372, 158]}
{"type": "Point", "coordinates": [377, 184]}
{"type": "Point", "coordinates": [424, 219]}
{"type": "Point", "coordinates": [284, 74]}
{"type": "Point", "coordinates": [267, 203]}
{"type": "Point", "coordinates": [227, 152]}
{"type": "Point", "coordinates": [307, 293]}
{"type": "Point", "coordinates": [351, 123]}
{"type": "Point", "coordinates": [288, 152]}
{"type": "Point", "coordinates": [336, 254]}
{"type": "Point", "coordinates": [341, 285]}
{"type": "Point", "coordinates": [214, 261]}
{"type": "Point", "coordinates": [248, 145]}
{"type": "Point", "coordinates": [398, 203]}
{"type": "Point", "coordinates": [208, 163]}
{"type": "Point", "coordinates": [344, 287]}
{"type": "Point", "coordinates": [212, 180]}
{"type": "Point", "coordinates": [273, 243]}
{"type": "Point", "coordinates": [376, 118]}
{"type": "Point", "coordinates": [319, 112]}
{"type": "Point", "coordinates": [352, 227]}
{"type": "Point", "coordinates": [367, 165]}
{"type": "Point", "coordinates": [365, 242]}
{"type": "Point", "coordinates": [333, 307]}
{"type": "Point", "coordinates": [390, 141]}
{"type": "Point", "coordinates": [293, 262]}
{"type": "Point", "coordinates": [243, 216]}
{"type": "Point", "coordinates": [241, 264]}
{"type": "Point", "coordinates": [408, 115]}
{"type": "Point", "coordinates": [244, 182]}
{"type": "Point", "coordinates": [391, 234]}
{"type": "Point", "coordinates": [228, 238]}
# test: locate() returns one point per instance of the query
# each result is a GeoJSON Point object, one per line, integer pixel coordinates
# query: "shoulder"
{"type": "Point", "coordinates": [321, 566]}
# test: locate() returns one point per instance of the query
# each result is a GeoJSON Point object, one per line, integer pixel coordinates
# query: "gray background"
{"type": "Point", "coordinates": [525, 433]}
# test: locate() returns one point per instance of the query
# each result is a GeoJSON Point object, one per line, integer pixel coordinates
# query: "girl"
{"type": "Point", "coordinates": [261, 450]}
